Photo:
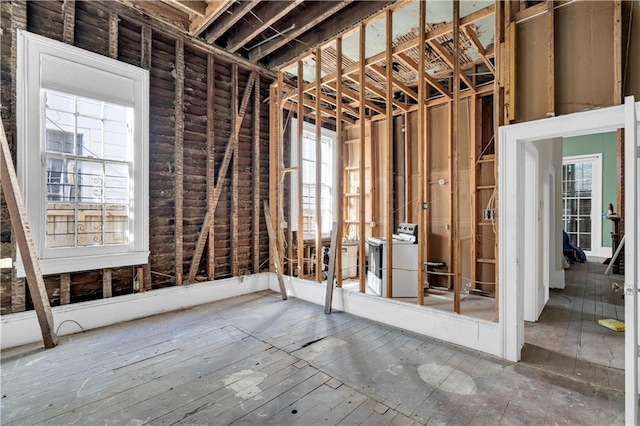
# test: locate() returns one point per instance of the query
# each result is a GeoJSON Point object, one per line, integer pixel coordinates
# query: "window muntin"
{"type": "Point", "coordinates": [88, 171]}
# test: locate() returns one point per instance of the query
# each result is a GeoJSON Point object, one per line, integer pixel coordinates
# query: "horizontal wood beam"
{"type": "Point", "coordinates": [353, 95]}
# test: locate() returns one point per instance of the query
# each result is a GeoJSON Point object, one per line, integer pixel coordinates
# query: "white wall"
{"type": "Point", "coordinates": [550, 155]}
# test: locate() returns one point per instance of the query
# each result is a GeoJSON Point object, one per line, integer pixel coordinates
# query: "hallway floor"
{"type": "Point", "coordinates": [567, 338]}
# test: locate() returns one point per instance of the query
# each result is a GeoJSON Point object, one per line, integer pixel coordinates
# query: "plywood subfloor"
{"type": "Point", "coordinates": [257, 359]}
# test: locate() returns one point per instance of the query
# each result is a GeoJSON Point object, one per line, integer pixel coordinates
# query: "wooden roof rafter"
{"type": "Point", "coordinates": [375, 90]}
{"type": "Point", "coordinates": [236, 12]}
{"type": "Point", "coordinates": [267, 15]}
{"type": "Point", "coordinates": [214, 9]}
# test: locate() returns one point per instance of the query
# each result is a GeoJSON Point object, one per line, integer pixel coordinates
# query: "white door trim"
{"type": "Point", "coordinates": [510, 273]}
{"type": "Point", "coordinates": [511, 145]}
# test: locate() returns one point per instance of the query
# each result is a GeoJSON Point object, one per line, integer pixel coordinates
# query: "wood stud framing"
{"type": "Point", "coordinates": [388, 156]}
{"type": "Point", "coordinates": [300, 130]}
{"type": "Point", "coordinates": [211, 87]}
{"type": "Point", "coordinates": [234, 172]}
{"type": "Point", "coordinates": [338, 160]}
{"type": "Point", "coordinates": [318, 189]}
{"type": "Point", "coordinates": [179, 159]}
{"type": "Point", "coordinates": [222, 172]}
{"type": "Point", "coordinates": [422, 175]}
{"type": "Point", "coordinates": [256, 177]}
{"type": "Point", "coordinates": [455, 144]}
{"type": "Point", "coordinates": [361, 176]}
{"type": "Point", "coordinates": [113, 35]}
{"type": "Point", "coordinates": [68, 21]}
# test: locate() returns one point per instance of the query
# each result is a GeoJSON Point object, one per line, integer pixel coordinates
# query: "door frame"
{"type": "Point", "coordinates": [512, 139]}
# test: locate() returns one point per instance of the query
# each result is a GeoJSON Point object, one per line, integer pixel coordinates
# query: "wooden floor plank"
{"type": "Point", "coordinates": [241, 360]}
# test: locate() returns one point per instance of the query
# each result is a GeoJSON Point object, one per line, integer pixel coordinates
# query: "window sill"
{"type": "Point", "coordinates": [87, 263]}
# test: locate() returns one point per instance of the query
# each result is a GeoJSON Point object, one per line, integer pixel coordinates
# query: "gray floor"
{"type": "Point", "coordinates": [259, 360]}
{"type": "Point", "coordinates": [568, 340]}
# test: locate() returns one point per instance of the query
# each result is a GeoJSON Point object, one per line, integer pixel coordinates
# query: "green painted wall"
{"type": "Point", "coordinates": [604, 143]}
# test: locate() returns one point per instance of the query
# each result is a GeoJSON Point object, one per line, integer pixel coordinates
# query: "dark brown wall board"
{"type": "Point", "coordinates": [631, 48]}
{"type": "Point", "coordinates": [531, 68]}
{"type": "Point", "coordinates": [91, 32]}
{"type": "Point", "coordinates": [584, 70]}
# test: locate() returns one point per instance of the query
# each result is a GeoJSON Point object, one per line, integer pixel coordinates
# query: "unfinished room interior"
{"type": "Point", "coordinates": [319, 212]}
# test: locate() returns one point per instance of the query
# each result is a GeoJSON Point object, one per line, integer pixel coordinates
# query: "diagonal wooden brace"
{"type": "Point", "coordinates": [224, 167]}
{"type": "Point", "coordinates": [25, 243]}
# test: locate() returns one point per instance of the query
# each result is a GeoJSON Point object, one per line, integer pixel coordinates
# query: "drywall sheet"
{"type": "Point", "coordinates": [584, 68]}
{"type": "Point", "coordinates": [532, 55]}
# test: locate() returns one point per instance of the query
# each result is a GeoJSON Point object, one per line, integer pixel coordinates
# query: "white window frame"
{"type": "Point", "coordinates": [48, 64]}
{"type": "Point", "coordinates": [325, 133]}
{"type": "Point", "coordinates": [596, 200]}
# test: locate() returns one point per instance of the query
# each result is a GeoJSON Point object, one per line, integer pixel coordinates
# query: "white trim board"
{"type": "Point", "coordinates": [512, 140]}
{"type": "Point", "coordinates": [22, 328]}
{"type": "Point", "coordinates": [472, 333]}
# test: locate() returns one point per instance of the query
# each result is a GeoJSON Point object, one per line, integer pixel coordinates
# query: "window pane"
{"type": "Point", "coordinates": [89, 137]}
{"type": "Point", "coordinates": [60, 225]}
{"type": "Point", "coordinates": [60, 101]}
{"type": "Point", "coordinates": [116, 183]}
{"type": "Point", "coordinates": [115, 113]}
{"type": "Point", "coordinates": [89, 224]}
{"type": "Point", "coordinates": [60, 131]}
{"type": "Point", "coordinates": [116, 135]}
{"type": "Point", "coordinates": [90, 181]}
{"type": "Point", "coordinates": [116, 224]}
{"type": "Point", "coordinates": [584, 241]}
{"type": "Point", "coordinates": [60, 175]}
{"type": "Point", "coordinates": [89, 107]}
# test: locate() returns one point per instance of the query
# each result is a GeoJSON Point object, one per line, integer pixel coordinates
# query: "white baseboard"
{"type": "Point", "coordinates": [23, 328]}
{"type": "Point", "coordinates": [557, 279]}
{"type": "Point", "coordinates": [473, 333]}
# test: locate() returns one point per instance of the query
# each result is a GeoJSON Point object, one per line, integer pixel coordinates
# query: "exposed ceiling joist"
{"type": "Point", "coordinates": [332, 27]}
{"type": "Point", "coordinates": [402, 57]}
{"type": "Point", "coordinates": [475, 40]}
{"type": "Point", "coordinates": [394, 82]}
{"type": "Point", "coordinates": [162, 11]}
{"type": "Point", "coordinates": [268, 13]}
{"type": "Point", "coordinates": [448, 58]}
{"type": "Point", "coordinates": [198, 7]}
{"type": "Point", "coordinates": [214, 9]}
{"type": "Point", "coordinates": [236, 12]}
{"type": "Point", "coordinates": [375, 90]}
{"type": "Point", "coordinates": [348, 93]}
{"type": "Point", "coordinates": [316, 13]}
